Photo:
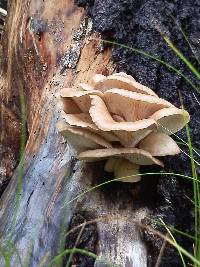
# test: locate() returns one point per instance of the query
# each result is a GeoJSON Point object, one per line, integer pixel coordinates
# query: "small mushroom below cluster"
{"type": "Point", "coordinates": [121, 121]}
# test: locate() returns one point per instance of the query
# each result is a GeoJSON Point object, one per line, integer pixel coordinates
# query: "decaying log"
{"type": "Point", "coordinates": [49, 45]}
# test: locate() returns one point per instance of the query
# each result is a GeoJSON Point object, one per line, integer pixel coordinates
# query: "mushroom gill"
{"type": "Point", "coordinates": [81, 139]}
{"type": "Point", "coordinates": [129, 133]}
{"type": "Point", "coordinates": [121, 121]}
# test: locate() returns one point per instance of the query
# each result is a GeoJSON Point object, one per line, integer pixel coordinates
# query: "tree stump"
{"type": "Point", "coordinates": [49, 45]}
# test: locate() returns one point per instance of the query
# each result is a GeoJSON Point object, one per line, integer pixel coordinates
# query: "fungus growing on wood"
{"type": "Point", "coordinates": [128, 132]}
{"type": "Point", "coordinates": [79, 97]}
{"type": "Point", "coordinates": [82, 139]}
{"type": "Point", "coordinates": [121, 81]}
{"type": "Point", "coordinates": [159, 144]}
{"type": "Point", "coordinates": [134, 155]}
{"type": "Point", "coordinates": [121, 121]}
{"type": "Point", "coordinates": [123, 168]}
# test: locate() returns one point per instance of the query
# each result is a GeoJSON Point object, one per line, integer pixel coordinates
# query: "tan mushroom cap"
{"type": "Point", "coordinates": [68, 105]}
{"type": "Point", "coordinates": [159, 144]}
{"type": "Point", "coordinates": [171, 120]}
{"type": "Point", "coordinates": [134, 155]}
{"type": "Point", "coordinates": [80, 98]}
{"type": "Point", "coordinates": [133, 106]}
{"type": "Point", "coordinates": [129, 133]}
{"type": "Point", "coordinates": [82, 139]}
{"type": "Point", "coordinates": [85, 87]}
{"type": "Point", "coordinates": [123, 74]}
{"type": "Point", "coordinates": [98, 77]}
{"type": "Point", "coordinates": [121, 81]}
{"type": "Point", "coordinates": [84, 120]}
{"type": "Point", "coordinates": [80, 120]}
{"type": "Point", "coordinates": [131, 139]}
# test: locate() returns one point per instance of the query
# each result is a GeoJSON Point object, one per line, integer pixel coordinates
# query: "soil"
{"type": "Point", "coordinates": [138, 24]}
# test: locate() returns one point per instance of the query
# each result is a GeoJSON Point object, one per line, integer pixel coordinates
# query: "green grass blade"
{"type": "Point", "coordinates": [68, 251]}
{"type": "Point", "coordinates": [193, 202]}
{"type": "Point", "coordinates": [174, 229]}
{"type": "Point", "coordinates": [20, 167]}
{"type": "Point", "coordinates": [82, 252]}
{"type": "Point", "coordinates": [183, 143]}
{"type": "Point", "coordinates": [169, 232]}
{"type": "Point", "coordinates": [43, 260]}
{"type": "Point", "coordinates": [186, 38]}
{"type": "Point", "coordinates": [174, 244]}
{"type": "Point", "coordinates": [189, 156]}
{"type": "Point", "coordinates": [181, 232]}
{"type": "Point", "coordinates": [182, 57]}
{"type": "Point", "coordinates": [6, 257]}
{"type": "Point", "coordinates": [11, 245]}
{"type": "Point", "coordinates": [117, 179]}
{"type": "Point", "coordinates": [8, 251]}
{"type": "Point", "coordinates": [75, 245]}
{"type": "Point", "coordinates": [196, 191]}
{"type": "Point", "coordinates": [196, 196]}
{"type": "Point", "coordinates": [196, 99]}
{"type": "Point", "coordinates": [184, 252]}
{"type": "Point", "coordinates": [170, 67]}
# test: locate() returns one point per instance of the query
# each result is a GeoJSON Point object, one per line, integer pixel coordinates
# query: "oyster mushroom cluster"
{"type": "Point", "coordinates": [121, 121]}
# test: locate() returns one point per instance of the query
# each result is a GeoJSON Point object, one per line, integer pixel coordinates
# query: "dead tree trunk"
{"type": "Point", "coordinates": [48, 45]}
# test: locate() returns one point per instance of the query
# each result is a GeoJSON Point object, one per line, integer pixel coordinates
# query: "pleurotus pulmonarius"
{"type": "Point", "coordinates": [120, 120]}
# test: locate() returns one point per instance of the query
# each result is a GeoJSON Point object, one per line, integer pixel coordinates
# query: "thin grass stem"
{"type": "Point", "coordinates": [169, 232]}
{"type": "Point", "coordinates": [117, 179]}
{"type": "Point", "coordinates": [186, 38]}
{"type": "Point", "coordinates": [136, 50]}
{"type": "Point", "coordinates": [182, 57]}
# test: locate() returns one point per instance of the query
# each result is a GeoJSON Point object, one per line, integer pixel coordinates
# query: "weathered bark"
{"type": "Point", "coordinates": [48, 45]}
